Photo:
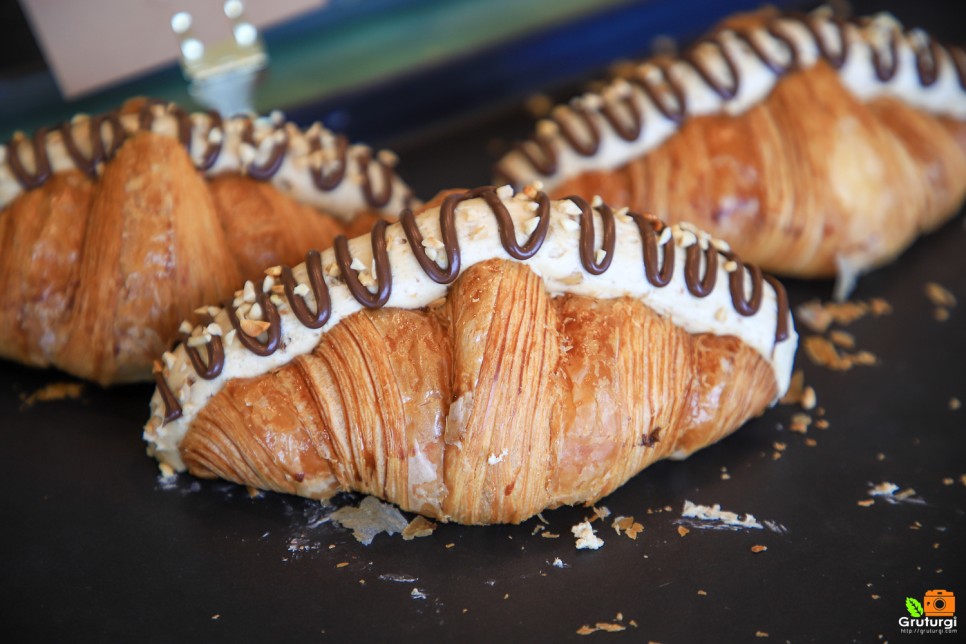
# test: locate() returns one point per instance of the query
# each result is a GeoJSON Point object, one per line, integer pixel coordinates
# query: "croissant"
{"type": "Point", "coordinates": [478, 362]}
{"type": "Point", "coordinates": [114, 228]}
{"type": "Point", "coordinates": [816, 147]}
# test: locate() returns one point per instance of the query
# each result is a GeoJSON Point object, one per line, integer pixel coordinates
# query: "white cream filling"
{"type": "Point", "coordinates": [945, 97]}
{"type": "Point", "coordinates": [293, 177]}
{"type": "Point", "coordinates": [557, 263]}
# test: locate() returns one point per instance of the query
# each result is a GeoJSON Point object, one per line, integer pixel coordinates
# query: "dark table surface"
{"type": "Point", "coordinates": [95, 547]}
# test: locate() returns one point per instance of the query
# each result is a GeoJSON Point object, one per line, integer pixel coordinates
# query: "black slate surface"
{"type": "Point", "coordinates": [95, 548]}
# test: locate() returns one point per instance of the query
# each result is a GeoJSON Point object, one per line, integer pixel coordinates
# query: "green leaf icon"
{"type": "Point", "coordinates": [914, 607]}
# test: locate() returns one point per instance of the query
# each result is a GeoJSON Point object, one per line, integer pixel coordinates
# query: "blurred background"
{"type": "Point", "coordinates": [388, 72]}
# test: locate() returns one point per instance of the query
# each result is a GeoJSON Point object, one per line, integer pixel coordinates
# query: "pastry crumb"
{"type": "Point", "coordinates": [586, 536]}
{"type": "Point", "coordinates": [954, 404]}
{"type": "Point", "coordinates": [607, 627]}
{"type": "Point", "coordinates": [600, 513]}
{"type": "Point", "coordinates": [703, 593]}
{"type": "Point", "coordinates": [682, 530]}
{"type": "Point", "coordinates": [628, 526]}
{"type": "Point", "coordinates": [842, 339]}
{"type": "Point", "coordinates": [824, 354]}
{"type": "Point", "coordinates": [819, 316]}
{"type": "Point", "coordinates": [418, 527]}
{"type": "Point", "coordinates": [939, 295]}
{"type": "Point", "coordinates": [799, 423]}
{"type": "Point", "coordinates": [371, 518]}
{"type": "Point", "coordinates": [761, 634]}
{"type": "Point", "coordinates": [795, 388]}
{"type": "Point", "coordinates": [756, 549]}
{"type": "Point", "coordinates": [52, 392]}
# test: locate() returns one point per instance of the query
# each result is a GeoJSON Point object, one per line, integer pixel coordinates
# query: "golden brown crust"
{"type": "Point", "coordinates": [489, 408]}
{"type": "Point", "coordinates": [808, 179]}
{"type": "Point", "coordinates": [98, 274]}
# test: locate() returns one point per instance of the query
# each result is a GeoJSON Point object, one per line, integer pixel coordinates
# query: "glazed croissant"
{"type": "Point", "coordinates": [496, 355]}
{"type": "Point", "coordinates": [114, 228]}
{"type": "Point", "coordinates": [814, 146]}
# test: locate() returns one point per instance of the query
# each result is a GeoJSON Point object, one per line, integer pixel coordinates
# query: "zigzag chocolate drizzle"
{"type": "Point", "coordinates": [670, 98]}
{"type": "Point", "coordinates": [375, 295]}
{"type": "Point", "coordinates": [41, 172]}
{"type": "Point", "coordinates": [274, 331]}
{"type": "Point", "coordinates": [146, 117]}
{"type": "Point", "coordinates": [210, 369]}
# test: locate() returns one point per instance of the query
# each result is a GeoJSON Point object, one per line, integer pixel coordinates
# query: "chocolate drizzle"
{"type": "Point", "coordinates": [580, 126]}
{"type": "Point", "coordinates": [41, 171]}
{"type": "Point", "coordinates": [725, 92]}
{"type": "Point", "coordinates": [657, 272]}
{"type": "Point", "coordinates": [273, 333]}
{"type": "Point", "coordinates": [172, 409]}
{"type": "Point", "coordinates": [270, 166]}
{"type": "Point", "coordinates": [649, 229]}
{"type": "Point", "coordinates": [587, 243]}
{"type": "Point", "coordinates": [210, 369]}
{"type": "Point", "coordinates": [103, 146]}
{"type": "Point", "coordinates": [698, 285]}
{"type": "Point", "coordinates": [323, 307]}
{"type": "Point", "coordinates": [381, 258]}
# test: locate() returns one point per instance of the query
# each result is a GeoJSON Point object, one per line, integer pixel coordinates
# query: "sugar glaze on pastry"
{"type": "Point", "coordinates": [816, 146]}
{"type": "Point", "coordinates": [588, 253]}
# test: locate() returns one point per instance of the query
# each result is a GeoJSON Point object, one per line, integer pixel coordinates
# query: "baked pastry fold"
{"type": "Point", "coordinates": [493, 356]}
{"type": "Point", "coordinates": [816, 146]}
{"type": "Point", "coordinates": [114, 228]}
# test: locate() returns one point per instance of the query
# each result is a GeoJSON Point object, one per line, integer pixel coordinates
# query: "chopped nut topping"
{"type": "Point", "coordinates": [664, 236]}
{"type": "Point", "coordinates": [569, 225]}
{"type": "Point", "coordinates": [570, 208]}
{"type": "Point", "coordinates": [432, 242]}
{"type": "Point", "coordinates": [248, 293]}
{"type": "Point", "coordinates": [387, 157]}
{"type": "Point", "coordinates": [254, 328]}
{"type": "Point", "coordinates": [198, 340]}
{"type": "Point", "coordinates": [274, 271]}
{"type": "Point", "coordinates": [530, 225]}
